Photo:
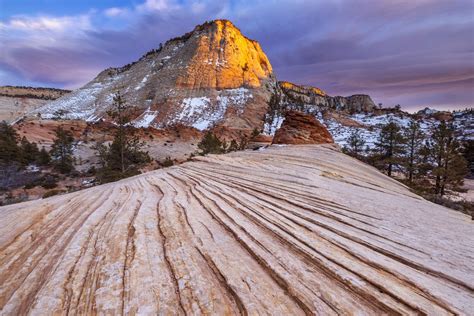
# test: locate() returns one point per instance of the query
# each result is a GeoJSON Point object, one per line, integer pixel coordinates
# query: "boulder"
{"type": "Point", "coordinates": [299, 128]}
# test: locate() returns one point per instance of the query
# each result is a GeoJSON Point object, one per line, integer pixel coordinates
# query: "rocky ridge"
{"type": "Point", "coordinates": [298, 94]}
{"type": "Point", "coordinates": [32, 92]}
{"type": "Point", "coordinates": [15, 102]}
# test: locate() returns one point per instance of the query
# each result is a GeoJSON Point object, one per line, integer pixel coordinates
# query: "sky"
{"type": "Point", "coordinates": [415, 53]}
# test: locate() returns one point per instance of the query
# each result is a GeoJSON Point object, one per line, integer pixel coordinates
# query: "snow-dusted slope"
{"type": "Point", "coordinates": [284, 231]}
{"type": "Point", "coordinates": [369, 125]}
{"type": "Point", "coordinates": [213, 75]}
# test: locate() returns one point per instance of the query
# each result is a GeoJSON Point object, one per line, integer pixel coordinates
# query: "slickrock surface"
{"type": "Point", "coordinates": [299, 128]}
{"type": "Point", "coordinates": [284, 231]}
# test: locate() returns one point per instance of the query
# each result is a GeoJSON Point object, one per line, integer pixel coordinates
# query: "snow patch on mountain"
{"type": "Point", "coordinates": [236, 97]}
{"type": "Point", "coordinates": [270, 128]}
{"type": "Point", "coordinates": [142, 83]}
{"type": "Point", "coordinates": [202, 113]}
{"type": "Point", "coordinates": [146, 119]}
{"type": "Point", "coordinates": [79, 104]}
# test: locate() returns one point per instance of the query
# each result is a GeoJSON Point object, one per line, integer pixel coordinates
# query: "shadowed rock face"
{"type": "Point", "coordinates": [213, 75]}
{"type": "Point", "coordinates": [284, 231]}
{"type": "Point", "coordinates": [299, 128]}
{"type": "Point", "coordinates": [297, 94]}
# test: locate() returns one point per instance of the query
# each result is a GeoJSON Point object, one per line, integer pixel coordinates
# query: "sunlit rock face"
{"type": "Point", "coordinates": [211, 76]}
{"type": "Point", "coordinates": [221, 57]}
{"type": "Point", "coordinates": [299, 90]}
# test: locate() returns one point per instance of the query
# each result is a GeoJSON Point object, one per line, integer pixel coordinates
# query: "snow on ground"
{"type": "Point", "coordinates": [79, 104]}
{"type": "Point", "coordinates": [193, 110]}
{"type": "Point", "coordinates": [142, 83]}
{"type": "Point", "coordinates": [273, 126]}
{"type": "Point", "coordinates": [372, 125]}
{"type": "Point", "coordinates": [371, 129]}
{"type": "Point", "coordinates": [235, 97]}
{"type": "Point", "coordinates": [203, 112]}
{"type": "Point", "coordinates": [145, 119]}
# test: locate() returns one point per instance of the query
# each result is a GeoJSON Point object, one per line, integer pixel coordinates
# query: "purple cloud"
{"type": "Point", "coordinates": [413, 53]}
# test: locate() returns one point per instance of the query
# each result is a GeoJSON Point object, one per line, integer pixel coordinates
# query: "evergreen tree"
{"type": "Point", "coordinates": [119, 115]}
{"type": "Point", "coordinates": [29, 151]}
{"type": "Point", "coordinates": [414, 142]}
{"type": "Point", "coordinates": [210, 144]}
{"type": "Point", "coordinates": [61, 151]}
{"type": "Point", "coordinates": [390, 146]}
{"type": "Point", "coordinates": [468, 153]}
{"type": "Point", "coordinates": [124, 155]}
{"type": "Point", "coordinates": [450, 167]}
{"type": "Point", "coordinates": [424, 160]}
{"type": "Point", "coordinates": [355, 143]}
{"type": "Point", "coordinates": [9, 149]}
{"type": "Point", "coordinates": [43, 157]}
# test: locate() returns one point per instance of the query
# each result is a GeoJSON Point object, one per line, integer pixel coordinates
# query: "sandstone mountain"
{"type": "Point", "coordinates": [15, 102]}
{"type": "Point", "coordinates": [289, 230]}
{"type": "Point", "coordinates": [212, 75]}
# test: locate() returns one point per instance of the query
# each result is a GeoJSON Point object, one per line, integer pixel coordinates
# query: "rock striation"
{"type": "Point", "coordinates": [289, 230]}
{"type": "Point", "coordinates": [211, 76]}
{"type": "Point", "coordinates": [299, 128]}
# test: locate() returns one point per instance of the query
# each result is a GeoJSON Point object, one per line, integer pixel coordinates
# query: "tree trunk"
{"type": "Point", "coordinates": [438, 175]}
{"type": "Point", "coordinates": [121, 151]}
{"type": "Point", "coordinates": [412, 158]}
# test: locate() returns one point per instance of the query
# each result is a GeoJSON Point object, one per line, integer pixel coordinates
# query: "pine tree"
{"type": "Point", "coordinates": [9, 149]}
{"type": "Point", "coordinates": [43, 157]}
{"type": "Point", "coordinates": [414, 137]}
{"type": "Point", "coordinates": [424, 160]}
{"type": "Point", "coordinates": [210, 144]}
{"type": "Point", "coordinates": [124, 155]}
{"type": "Point", "coordinates": [468, 153]}
{"type": "Point", "coordinates": [61, 151]}
{"type": "Point", "coordinates": [29, 151]}
{"type": "Point", "coordinates": [355, 143]}
{"type": "Point", "coordinates": [390, 146]}
{"type": "Point", "coordinates": [450, 167]}
{"type": "Point", "coordinates": [119, 115]}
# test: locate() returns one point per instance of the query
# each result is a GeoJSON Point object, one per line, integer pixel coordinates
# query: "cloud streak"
{"type": "Point", "coordinates": [414, 53]}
